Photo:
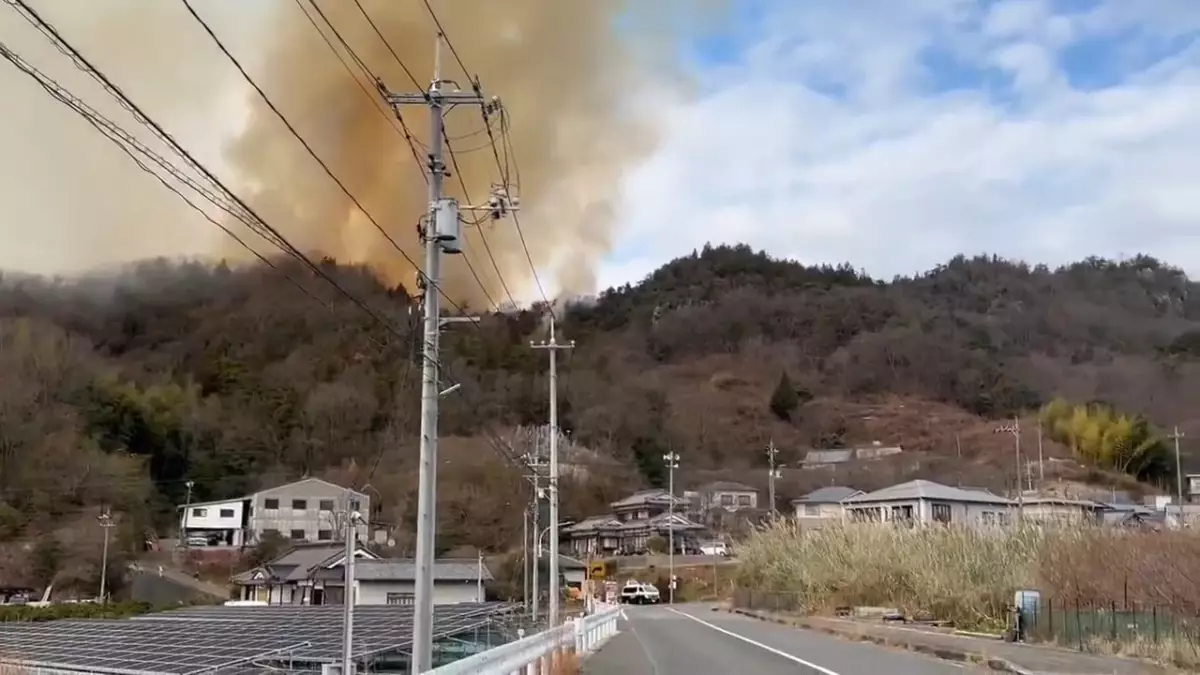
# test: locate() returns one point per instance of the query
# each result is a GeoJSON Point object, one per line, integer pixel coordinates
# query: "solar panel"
{"type": "Point", "coordinates": [218, 638]}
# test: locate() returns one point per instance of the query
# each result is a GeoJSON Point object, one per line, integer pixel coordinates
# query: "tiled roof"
{"type": "Point", "coordinates": [726, 486]}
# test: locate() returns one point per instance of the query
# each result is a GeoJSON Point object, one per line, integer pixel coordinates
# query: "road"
{"type": "Point", "coordinates": [694, 640]}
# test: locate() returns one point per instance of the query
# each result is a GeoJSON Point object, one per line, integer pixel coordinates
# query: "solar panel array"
{"type": "Point", "coordinates": [213, 639]}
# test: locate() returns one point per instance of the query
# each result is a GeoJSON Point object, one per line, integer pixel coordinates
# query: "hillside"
{"type": "Point", "coordinates": [118, 389]}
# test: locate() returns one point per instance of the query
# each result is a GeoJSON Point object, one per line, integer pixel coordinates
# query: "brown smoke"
{"type": "Point", "coordinates": [567, 78]}
{"type": "Point", "coordinates": [581, 92]}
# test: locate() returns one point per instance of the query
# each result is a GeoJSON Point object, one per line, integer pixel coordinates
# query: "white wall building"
{"type": "Point", "coordinates": [922, 502]}
{"type": "Point", "coordinates": [221, 523]}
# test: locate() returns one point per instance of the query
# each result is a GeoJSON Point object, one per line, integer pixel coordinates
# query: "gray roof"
{"type": "Point", "coordinates": [726, 486]}
{"type": "Point", "coordinates": [653, 496]}
{"type": "Point", "coordinates": [832, 494]}
{"type": "Point", "coordinates": [827, 456]}
{"type": "Point", "coordinates": [593, 523]}
{"type": "Point", "coordinates": [924, 489]}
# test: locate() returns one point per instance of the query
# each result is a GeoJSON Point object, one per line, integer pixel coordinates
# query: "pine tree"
{"type": "Point", "coordinates": [784, 400]}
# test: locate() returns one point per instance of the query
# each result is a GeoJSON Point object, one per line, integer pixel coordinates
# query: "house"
{"type": "Point", "coordinates": [1061, 511]}
{"type": "Point", "coordinates": [822, 506]}
{"type": "Point", "coordinates": [820, 459]}
{"type": "Point", "coordinates": [925, 502]}
{"type": "Point", "coordinates": [314, 574]}
{"type": "Point", "coordinates": [308, 510]}
{"type": "Point", "coordinates": [1191, 488]}
{"type": "Point", "coordinates": [726, 495]}
{"type": "Point", "coordinates": [633, 522]}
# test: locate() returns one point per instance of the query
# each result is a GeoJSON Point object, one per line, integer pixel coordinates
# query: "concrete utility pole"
{"type": "Point", "coordinates": [441, 233]}
{"type": "Point", "coordinates": [1176, 435]}
{"type": "Point", "coordinates": [773, 472]}
{"type": "Point", "coordinates": [553, 346]}
{"type": "Point", "coordinates": [1015, 430]}
{"type": "Point", "coordinates": [187, 508]}
{"type": "Point", "coordinates": [525, 560]}
{"type": "Point", "coordinates": [107, 523]}
{"type": "Point", "coordinates": [671, 460]}
{"type": "Point", "coordinates": [1041, 460]}
{"type": "Point", "coordinates": [534, 462]}
{"type": "Point", "coordinates": [348, 595]}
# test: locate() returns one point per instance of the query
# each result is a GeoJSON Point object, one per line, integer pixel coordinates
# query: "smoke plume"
{"type": "Point", "coordinates": [581, 81]}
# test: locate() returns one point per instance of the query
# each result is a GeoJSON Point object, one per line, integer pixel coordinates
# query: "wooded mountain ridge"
{"type": "Point", "coordinates": [120, 388]}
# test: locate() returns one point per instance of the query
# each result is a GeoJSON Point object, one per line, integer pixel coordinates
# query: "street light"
{"type": "Point", "coordinates": [671, 460]}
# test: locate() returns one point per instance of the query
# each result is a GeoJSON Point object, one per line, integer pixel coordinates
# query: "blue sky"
{"type": "Point", "coordinates": [896, 134]}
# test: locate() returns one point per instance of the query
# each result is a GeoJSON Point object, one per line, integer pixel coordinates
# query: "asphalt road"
{"type": "Point", "coordinates": [694, 640]}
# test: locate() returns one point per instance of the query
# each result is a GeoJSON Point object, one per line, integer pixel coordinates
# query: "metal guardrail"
{"type": "Point", "coordinates": [534, 654]}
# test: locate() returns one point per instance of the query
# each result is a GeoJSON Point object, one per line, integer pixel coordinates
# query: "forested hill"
{"type": "Point", "coordinates": [118, 389]}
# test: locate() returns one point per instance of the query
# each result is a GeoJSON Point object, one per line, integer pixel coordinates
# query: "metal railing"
{"type": "Point", "coordinates": [535, 654]}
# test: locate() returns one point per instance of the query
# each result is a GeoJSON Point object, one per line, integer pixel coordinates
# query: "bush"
{"type": "Point", "coordinates": [966, 575]}
{"type": "Point", "coordinates": [119, 610]}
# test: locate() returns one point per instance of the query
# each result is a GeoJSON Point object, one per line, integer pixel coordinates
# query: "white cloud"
{"type": "Point", "coordinates": [895, 177]}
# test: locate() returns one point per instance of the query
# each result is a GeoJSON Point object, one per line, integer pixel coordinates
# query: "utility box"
{"type": "Point", "coordinates": [447, 226]}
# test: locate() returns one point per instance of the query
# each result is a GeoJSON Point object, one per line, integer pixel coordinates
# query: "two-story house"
{"type": "Point", "coordinates": [633, 522]}
{"type": "Point", "coordinates": [923, 502]}
{"type": "Point", "coordinates": [308, 510]}
{"type": "Point", "coordinates": [822, 506]}
{"type": "Point", "coordinates": [727, 495]}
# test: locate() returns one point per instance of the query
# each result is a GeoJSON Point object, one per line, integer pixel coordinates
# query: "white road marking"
{"type": "Point", "coordinates": [793, 659]}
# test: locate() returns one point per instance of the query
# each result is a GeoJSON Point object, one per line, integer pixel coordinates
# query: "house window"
{"type": "Point", "coordinates": [326, 504]}
{"type": "Point", "coordinates": [199, 513]}
{"type": "Point", "coordinates": [812, 510]}
{"type": "Point", "coordinates": [988, 518]}
{"type": "Point", "coordinates": [726, 500]}
{"type": "Point", "coordinates": [354, 505]}
{"type": "Point", "coordinates": [270, 504]}
{"type": "Point", "coordinates": [226, 513]}
{"type": "Point", "coordinates": [297, 535]}
{"type": "Point", "coordinates": [299, 504]}
{"type": "Point", "coordinates": [902, 514]}
{"type": "Point", "coordinates": [324, 535]}
{"type": "Point", "coordinates": [1004, 519]}
{"type": "Point", "coordinates": [743, 500]}
{"type": "Point", "coordinates": [941, 513]}
{"type": "Point", "coordinates": [399, 598]}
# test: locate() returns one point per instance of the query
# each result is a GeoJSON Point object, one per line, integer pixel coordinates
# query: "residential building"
{"type": "Point", "coordinates": [220, 523]}
{"type": "Point", "coordinates": [308, 510]}
{"type": "Point", "coordinates": [922, 502]}
{"type": "Point", "coordinates": [726, 495]}
{"type": "Point", "coordinates": [1191, 487]}
{"type": "Point", "coordinates": [822, 506]}
{"type": "Point", "coordinates": [821, 459]}
{"type": "Point", "coordinates": [314, 574]}
{"type": "Point", "coordinates": [1061, 511]}
{"type": "Point", "coordinates": [633, 522]}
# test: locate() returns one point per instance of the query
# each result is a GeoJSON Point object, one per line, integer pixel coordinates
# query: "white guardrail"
{"type": "Point", "coordinates": [533, 655]}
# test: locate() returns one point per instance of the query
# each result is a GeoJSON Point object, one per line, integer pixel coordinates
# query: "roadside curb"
{"type": "Point", "coordinates": [944, 653]}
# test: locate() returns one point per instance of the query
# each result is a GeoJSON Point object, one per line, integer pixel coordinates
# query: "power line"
{"type": "Point", "coordinates": [388, 45]}
{"type": "Point", "coordinates": [271, 104]}
{"type": "Point", "coordinates": [483, 237]}
{"type": "Point", "coordinates": [402, 128]}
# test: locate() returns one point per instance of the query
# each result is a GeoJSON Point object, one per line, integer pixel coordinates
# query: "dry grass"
{"type": "Point", "coordinates": [968, 576]}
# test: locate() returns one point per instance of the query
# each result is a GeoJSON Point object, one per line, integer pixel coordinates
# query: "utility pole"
{"type": "Point", "coordinates": [553, 346]}
{"type": "Point", "coordinates": [187, 508]}
{"type": "Point", "coordinates": [440, 233]}
{"type": "Point", "coordinates": [772, 473]}
{"type": "Point", "coordinates": [107, 523]}
{"type": "Point", "coordinates": [534, 462]}
{"type": "Point", "coordinates": [479, 578]}
{"type": "Point", "coordinates": [1041, 460]}
{"type": "Point", "coordinates": [1015, 430]}
{"type": "Point", "coordinates": [671, 460]}
{"type": "Point", "coordinates": [525, 560]}
{"type": "Point", "coordinates": [348, 595]}
{"type": "Point", "coordinates": [1176, 435]}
